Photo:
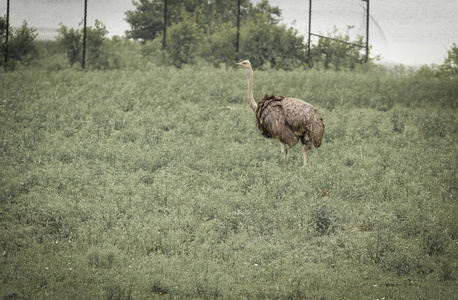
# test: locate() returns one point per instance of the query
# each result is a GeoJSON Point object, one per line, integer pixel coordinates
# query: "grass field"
{"type": "Point", "coordinates": [156, 183]}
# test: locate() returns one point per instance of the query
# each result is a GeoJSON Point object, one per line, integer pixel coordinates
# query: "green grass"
{"type": "Point", "coordinates": [148, 183]}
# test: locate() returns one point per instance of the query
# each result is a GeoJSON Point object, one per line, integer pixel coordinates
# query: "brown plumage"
{"type": "Point", "coordinates": [288, 119]}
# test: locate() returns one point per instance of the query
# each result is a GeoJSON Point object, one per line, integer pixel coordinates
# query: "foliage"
{"type": "Point", "coordinates": [21, 46]}
{"type": "Point", "coordinates": [337, 52]}
{"type": "Point", "coordinates": [147, 21]}
{"type": "Point", "coordinates": [207, 29]}
{"type": "Point", "coordinates": [114, 185]}
{"type": "Point", "coordinates": [71, 42]}
{"type": "Point", "coordinates": [218, 48]}
{"type": "Point", "coordinates": [447, 71]}
{"type": "Point", "coordinates": [450, 65]}
{"type": "Point", "coordinates": [183, 41]}
{"type": "Point", "coordinates": [268, 44]}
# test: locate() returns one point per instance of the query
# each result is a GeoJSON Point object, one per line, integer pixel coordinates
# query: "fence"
{"type": "Point", "coordinates": [310, 33]}
{"type": "Point", "coordinates": [47, 16]}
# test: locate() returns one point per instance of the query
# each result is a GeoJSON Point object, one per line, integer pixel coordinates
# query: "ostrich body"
{"type": "Point", "coordinates": [287, 119]}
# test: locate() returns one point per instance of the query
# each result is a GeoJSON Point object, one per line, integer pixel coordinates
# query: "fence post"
{"type": "Point", "coordinates": [367, 31]}
{"type": "Point", "coordinates": [310, 25]}
{"type": "Point", "coordinates": [7, 31]}
{"type": "Point", "coordinates": [84, 35]}
{"type": "Point", "coordinates": [238, 32]}
{"type": "Point", "coordinates": [165, 24]}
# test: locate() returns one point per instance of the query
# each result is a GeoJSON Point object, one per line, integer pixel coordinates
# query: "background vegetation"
{"type": "Point", "coordinates": [145, 176]}
{"type": "Point", "coordinates": [127, 184]}
{"type": "Point", "coordinates": [196, 31]}
{"type": "Point", "coordinates": [22, 49]}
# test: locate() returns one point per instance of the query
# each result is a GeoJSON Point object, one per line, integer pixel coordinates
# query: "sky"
{"type": "Point", "coordinates": [409, 32]}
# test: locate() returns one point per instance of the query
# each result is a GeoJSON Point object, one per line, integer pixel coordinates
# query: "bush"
{"type": "Point", "coordinates": [337, 52]}
{"type": "Point", "coordinates": [21, 46]}
{"type": "Point", "coordinates": [450, 65]}
{"type": "Point", "coordinates": [183, 41]}
{"type": "Point", "coordinates": [207, 30]}
{"type": "Point", "coordinates": [71, 42]}
{"type": "Point", "coordinates": [268, 44]}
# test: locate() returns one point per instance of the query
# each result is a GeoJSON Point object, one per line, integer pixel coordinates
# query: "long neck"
{"type": "Point", "coordinates": [249, 75]}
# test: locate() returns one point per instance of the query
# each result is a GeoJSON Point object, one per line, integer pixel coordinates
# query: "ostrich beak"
{"type": "Point", "coordinates": [239, 64]}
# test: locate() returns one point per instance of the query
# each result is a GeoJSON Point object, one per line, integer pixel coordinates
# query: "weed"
{"type": "Point", "coordinates": [116, 186]}
{"type": "Point", "coordinates": [158, 288]}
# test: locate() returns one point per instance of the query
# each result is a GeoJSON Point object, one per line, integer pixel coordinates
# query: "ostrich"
{"type": "Point", "coordinates": [288, 119]}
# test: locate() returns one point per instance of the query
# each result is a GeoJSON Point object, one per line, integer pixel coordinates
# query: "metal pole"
{"type": "Point", "coordinates": [310, 30]}
{"type": "Point", "coordinates": [238, 32]}
{"type": "Point", "coordinates": [165, 24]}
{"type": "Point", "coordinates": [367, 31]}
{"type": "Point", "coordinates": [7, 30]}
{"type": "Point", "coordinates": [83, 65]}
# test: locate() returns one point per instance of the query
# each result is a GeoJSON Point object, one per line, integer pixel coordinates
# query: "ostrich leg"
{"type": "Point", "coordinates": [304, 153]}
{"type": "Point", "coordinates": [284, 150]}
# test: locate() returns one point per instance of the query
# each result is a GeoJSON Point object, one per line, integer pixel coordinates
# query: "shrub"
{"type": "Point", "coordinates": [21, 46]}
{"type": "Point", "coordinates": [207, 30]}
{"type": "Point", "coordinates": [450, 65]}
{"type": "Point", "coordinates": [182, 42]}
{"type": "Point", "coordinates": [71, 42]}
{"type": "Point", "coordinates": [337, 52]}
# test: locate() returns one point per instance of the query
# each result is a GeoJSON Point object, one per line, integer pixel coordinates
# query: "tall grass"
{"type": "Point", "coordinates": [155, 182]}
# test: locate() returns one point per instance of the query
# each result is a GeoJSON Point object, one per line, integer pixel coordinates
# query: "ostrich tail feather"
{"type": "Point", "coordinates": [316, 131]}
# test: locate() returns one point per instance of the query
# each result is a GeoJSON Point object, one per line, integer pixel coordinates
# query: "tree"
{"type": "Point", "coordinates": [21, 46]}
{"type": "Point", "coordinates": [450, 65]}
{"type": "Point", "coordinates": [338, 52]}
{"type": "Point", "coordinates": [70, 41]}
{"type": "Point", "coordinates": [207, 29]}
{"type": "Point", "coordinates": [96, 36]}
{"type": "Point", "coordinates": [146, 21]}
{"type": "Point", "coordinates": [265, 42]}
{"type": "Point", "coordinates": [183, 41]}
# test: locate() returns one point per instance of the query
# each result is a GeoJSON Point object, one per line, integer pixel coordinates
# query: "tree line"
{"type": "Point", "coordinates": [208, 29]}
{"type": "Point", "coordinates": [197, 30]}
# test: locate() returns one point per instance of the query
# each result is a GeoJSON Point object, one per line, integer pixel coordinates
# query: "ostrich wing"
{"type": "Point", "coordinates": [303, 118]}
{"type": "Point", "coordinates": [271, 120]}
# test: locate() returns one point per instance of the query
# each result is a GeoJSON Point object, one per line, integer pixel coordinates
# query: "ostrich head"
{"type": "Point", "coordinates": [245, 64]}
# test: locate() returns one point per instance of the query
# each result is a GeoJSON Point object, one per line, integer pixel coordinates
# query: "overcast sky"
{"type": "Point", "coordinates": [412, 32]}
